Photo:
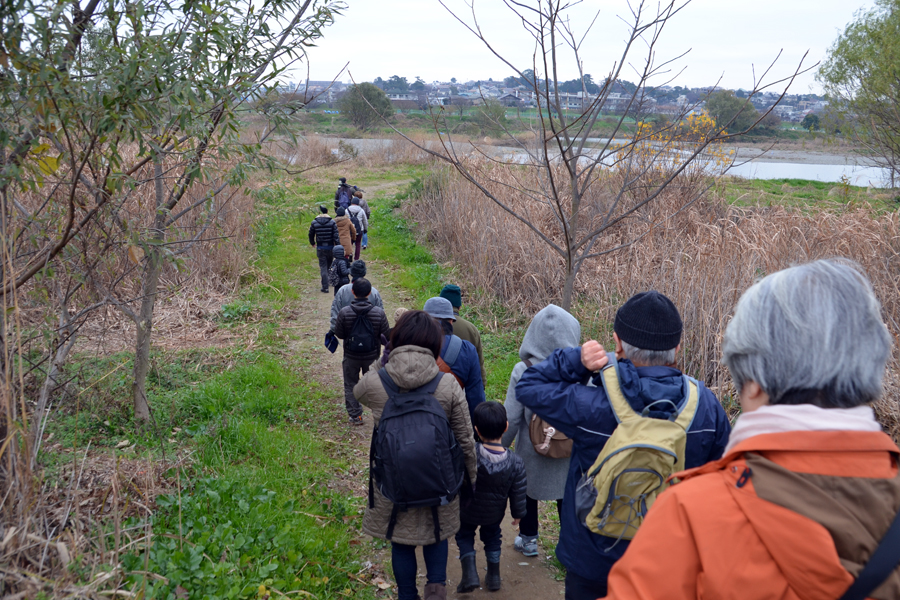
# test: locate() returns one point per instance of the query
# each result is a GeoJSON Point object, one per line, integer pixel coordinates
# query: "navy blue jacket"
{"type": "Point", "coordinates": [556, 390]}
{"type": "Point", "coordinates": [468, 368]}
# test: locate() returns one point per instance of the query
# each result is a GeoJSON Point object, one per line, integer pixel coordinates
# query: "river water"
{"type": "Point", "coordinates": [751, 164]}
{"type": "Point", "coordinates": [861, 175]}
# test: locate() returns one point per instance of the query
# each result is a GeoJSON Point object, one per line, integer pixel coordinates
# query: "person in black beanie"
{"type": "Point", "coordinates": [647, 336]}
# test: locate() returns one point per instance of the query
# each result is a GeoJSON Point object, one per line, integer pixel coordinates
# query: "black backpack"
{"type": "Point", "coordinates": [362, 335]}
{"type": "Point", "coordinates": [414, 459]}
{"type": "Point", "coordinates": [344, 197]}
{"type": "Point", "coordinates": [356, 224]}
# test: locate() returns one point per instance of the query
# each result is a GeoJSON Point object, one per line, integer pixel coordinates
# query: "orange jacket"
{"type": "Point", "coordinates": [712, 536]}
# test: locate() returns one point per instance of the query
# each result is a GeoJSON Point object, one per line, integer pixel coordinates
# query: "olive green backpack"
{"type": "Point", "coordinates": [613, 497]}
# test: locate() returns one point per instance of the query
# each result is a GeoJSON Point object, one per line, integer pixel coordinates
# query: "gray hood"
{"type": "Point", "coordinates": [338, 251]}
{"type": "Point", "coordinates": [550, 329]}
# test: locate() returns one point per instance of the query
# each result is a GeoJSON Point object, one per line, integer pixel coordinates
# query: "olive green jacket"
{"type": "Point", "coordinates": [466, 331]}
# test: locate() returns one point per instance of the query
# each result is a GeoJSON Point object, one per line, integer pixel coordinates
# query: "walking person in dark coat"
{"type": "Point", "coordinates": [465, 365]}
{"type": "Point", "coordinates": [343, 194]}
{"type": "Point", "coordinates": [357, 361]}
{"type": "Point", "coordinates": [501, 477]}
{"type": "Point", "coordinates": [461, 327]}
{"type": "Point", "coordinates": [647, 334]}
{"type": "Point", "coordinates": [344, 295]}
{"type": "Point", "coordinates": [342, 267]}
{"type": "Point", "coordinates": [323, 235]}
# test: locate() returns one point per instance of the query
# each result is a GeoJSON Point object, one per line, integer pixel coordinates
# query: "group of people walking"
{"type": "Point", "coordinates": [658, 496]}
{"type": "Point", "coordinates": [339, 241]}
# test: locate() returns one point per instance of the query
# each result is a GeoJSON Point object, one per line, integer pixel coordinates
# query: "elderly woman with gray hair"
{"type": "Point", "coordinates": [803, 503]}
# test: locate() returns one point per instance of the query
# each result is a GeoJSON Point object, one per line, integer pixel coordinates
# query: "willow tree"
{"type": "Point", "coordinates": [861, 75]}
{"type": "Point", "coordinates": [112, 116]}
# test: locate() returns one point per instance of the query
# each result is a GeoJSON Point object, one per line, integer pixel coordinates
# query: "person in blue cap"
{"type": "Point", "coordinates": [457, 354]}
{"type": "Point", "coordinates": [461, 327]}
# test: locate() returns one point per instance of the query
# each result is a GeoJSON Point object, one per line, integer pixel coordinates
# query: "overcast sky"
{"type": "Point", "coordinates": [726, 38]}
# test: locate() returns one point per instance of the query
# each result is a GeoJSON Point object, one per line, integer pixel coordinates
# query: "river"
{"type": "Point", "coordinates": [750, 163]}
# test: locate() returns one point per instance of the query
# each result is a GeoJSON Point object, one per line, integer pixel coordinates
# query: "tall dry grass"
{"type": "Point", "coordinates": [43, 527]}
{"type": "Point", "coordinates": [703, 259]}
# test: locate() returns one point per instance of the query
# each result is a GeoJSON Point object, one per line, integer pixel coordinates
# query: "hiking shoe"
{"type": "Point", "coordinates": [356, 420]}
{"type": "Point", "coordinates": [527, 545]}
{"type": "Point", "coordinates": [324, 290]}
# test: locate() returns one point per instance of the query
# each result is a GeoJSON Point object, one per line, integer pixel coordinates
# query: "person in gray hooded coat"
{"type": "Point", "coordinates": [551, 328]}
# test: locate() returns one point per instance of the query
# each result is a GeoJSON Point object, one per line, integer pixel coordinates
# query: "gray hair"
{"type": "Point", "coordinates": [649, 358]}
{"type": "Point", "coordinates": [811, 334]}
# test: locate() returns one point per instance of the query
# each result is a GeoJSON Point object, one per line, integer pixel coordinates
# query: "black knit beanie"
{"type": "Point", "coordinates": [358, 269]}
{"type": "Point", "coordinates": [649, 321]}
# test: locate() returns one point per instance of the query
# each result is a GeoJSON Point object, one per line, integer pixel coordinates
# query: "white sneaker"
{"type": "Point", "coordinates": [527, 545]}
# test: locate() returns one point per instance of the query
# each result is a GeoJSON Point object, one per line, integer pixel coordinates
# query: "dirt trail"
{"type": "Point", "coordinates": [522, 577]}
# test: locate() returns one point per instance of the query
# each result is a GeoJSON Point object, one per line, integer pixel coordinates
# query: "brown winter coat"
{"type": "Point", "coordinates": [411, 367]}
{"type": "Point", "coordinates": [347, 232]}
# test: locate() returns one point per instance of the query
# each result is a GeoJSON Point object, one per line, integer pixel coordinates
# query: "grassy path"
{"type": "Point", "coordinates": [262, 481]}
{"type": "Point", "coordinates": [405, 275]}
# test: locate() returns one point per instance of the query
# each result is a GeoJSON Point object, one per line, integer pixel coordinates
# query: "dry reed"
{"type": "Point", "coordinates": [703, 258]}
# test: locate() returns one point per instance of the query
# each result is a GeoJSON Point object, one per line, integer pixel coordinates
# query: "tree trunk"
{"type": "Point", "coordinates": [148, 300]}
{"type": "Point", "coordinates": [569, 286]}
{"type": "Point", "coordinates": [144, 330]}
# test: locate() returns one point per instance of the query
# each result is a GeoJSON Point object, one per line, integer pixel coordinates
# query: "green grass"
{"type": "Point", "coordinates": [802, 193]}
{"type": "Point", "coordinates": [256, 505]}
{"type": "Point", "coordinates": [259, 510]}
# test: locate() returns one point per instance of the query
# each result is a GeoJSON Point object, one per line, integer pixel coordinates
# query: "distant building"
{"type": "Point", "coordinates": [509, 99]}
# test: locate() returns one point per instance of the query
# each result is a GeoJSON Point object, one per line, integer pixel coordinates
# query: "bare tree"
{"type": "Point", "coordinates": [568, 187]}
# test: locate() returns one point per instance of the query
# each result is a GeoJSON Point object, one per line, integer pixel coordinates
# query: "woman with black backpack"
{"type": "Point", "coordinates": [413, 402]}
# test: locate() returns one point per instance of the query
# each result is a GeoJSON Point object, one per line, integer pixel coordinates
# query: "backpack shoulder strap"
{"type": "Point", "coordinates": [389, 386]}
{"type": "Point", "coordinates": [452, 351]}
{"type": "Point", "coordinates": [610, 378]}
{"type": "Point", "coordinates": [691, 403]}
{"type": "Point", "coordinates": [880, 566]}
{"type": "Point", "coordinates": [528, 363]}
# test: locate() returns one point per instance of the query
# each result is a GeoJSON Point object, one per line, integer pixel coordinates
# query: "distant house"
{"type": "Point", "coordinates": [511, 99]}
{"type": "Point", "coordinates": [402, 96]}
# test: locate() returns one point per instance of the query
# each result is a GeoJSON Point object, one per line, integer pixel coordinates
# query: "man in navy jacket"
{"type": "Point", "coordinates": [465, 366]}
{"type": "Point", "coordinates": [647, 334]}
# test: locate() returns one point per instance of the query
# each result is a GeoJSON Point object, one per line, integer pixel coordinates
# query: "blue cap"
{"type": "Point", "coordinates": [439, 308]}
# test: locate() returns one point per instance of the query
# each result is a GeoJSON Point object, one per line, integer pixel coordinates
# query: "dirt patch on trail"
{"type": "Point", "coordinates": [522, 577]}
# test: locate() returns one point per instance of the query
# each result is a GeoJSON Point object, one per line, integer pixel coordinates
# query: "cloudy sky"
{"type": "Point", "coordinates": [725, 38]}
